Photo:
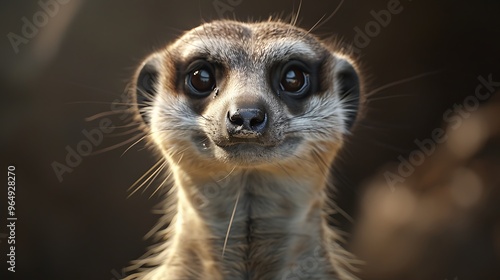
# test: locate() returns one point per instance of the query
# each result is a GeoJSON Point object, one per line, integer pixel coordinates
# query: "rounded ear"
{"type": "Point", "coordinates": [347, 86]}
{"type": "Point", "coordinates": [146, 85]}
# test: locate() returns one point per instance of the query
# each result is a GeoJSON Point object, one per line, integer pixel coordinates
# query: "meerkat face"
{"type": "Point", "coordinates": [246, 94]}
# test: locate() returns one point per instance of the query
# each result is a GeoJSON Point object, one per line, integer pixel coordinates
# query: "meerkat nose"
{"type": "Point", "coordinates": [246, 121]}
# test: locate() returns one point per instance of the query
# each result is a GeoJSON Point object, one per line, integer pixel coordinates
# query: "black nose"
{"type": "Point", "coordinates": [246, 122]}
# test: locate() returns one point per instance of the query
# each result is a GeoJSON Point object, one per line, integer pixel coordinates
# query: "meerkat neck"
{"type": "Point", "coordinates": [277, 224]}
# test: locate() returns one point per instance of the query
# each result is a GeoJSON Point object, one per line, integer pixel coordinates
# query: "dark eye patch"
{"type": "Point", "coordinates": [200, 80]}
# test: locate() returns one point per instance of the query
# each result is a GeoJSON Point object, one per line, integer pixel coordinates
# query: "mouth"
{"type": "Point", "coordinates": [243, 142]}
{"type": "Point", "coordinates": [246, 152]}
{"type": "Point", "coordinates": [246, 147]}
{"type": "Point", "coordinates": [204, 142]}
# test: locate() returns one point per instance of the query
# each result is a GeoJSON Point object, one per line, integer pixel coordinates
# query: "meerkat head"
{"type": "Point", "coordinates": [247, 95]}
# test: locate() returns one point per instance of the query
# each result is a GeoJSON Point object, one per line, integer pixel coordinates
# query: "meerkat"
{"type": "Point", "coordinates": [248, 118]}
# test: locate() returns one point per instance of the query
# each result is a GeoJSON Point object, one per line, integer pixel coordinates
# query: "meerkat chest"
{"type": "Point", "coordinates": [257, 227]}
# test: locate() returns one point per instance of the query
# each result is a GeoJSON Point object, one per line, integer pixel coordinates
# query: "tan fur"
{"type": "Point", "coordinates": [279, 229]}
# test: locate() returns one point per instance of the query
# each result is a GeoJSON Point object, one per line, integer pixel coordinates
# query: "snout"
{"type": "Point", "coordinates": [246, 120]}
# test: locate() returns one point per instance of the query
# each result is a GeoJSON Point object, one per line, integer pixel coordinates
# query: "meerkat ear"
{"type": "Point", "coordinates": [347, 86]}
{"type": "Point", "coordinates": [146, 85]}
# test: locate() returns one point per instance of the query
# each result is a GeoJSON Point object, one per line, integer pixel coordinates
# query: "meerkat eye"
{"type": "Point", "coordinates": [294, 81]}
{"type": "Point", "coordinates": [200, 81]}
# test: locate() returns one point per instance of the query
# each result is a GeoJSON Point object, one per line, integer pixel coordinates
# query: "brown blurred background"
{"type": "Point", "coordinates": [79, 62]}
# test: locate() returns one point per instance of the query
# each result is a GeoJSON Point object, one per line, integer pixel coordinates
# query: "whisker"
{"type": "Point", "coordinates": [145, 174]}
{"type": "Point", "coordinates": [326, 167]}
{"type": "Point", "coordinates": [157, 172]}
{"type": "Point", "coordinates": [389, 147]}
{"type": "Point", "coordinates": [104, 114]}
{"type": "Point", "coordinates": [116, 145]}
{"type": "Point", "coordinates": [127, 132]}
{"type": "Point", "coordinates": [373, 124]}
{"type": "Point", "coordinates": [341, 212]}
{"type": "Point", "coordinates": [158, 169]}
{"type": "Point", "coordinates": [101, 102]}
{"type": "Point", "coordinates": [230, 172]}
{"type": "Point", "coordinates": [294, 19]}
{"type": "Point", "coordinates": [159, 187]}
{"type": "Point", "coordinates": [231, 222]}
{"type": "Point", "coordinates": [135, 143]}
{"type": "Point", "coordinates": [319, 23]}
{"type": "Point", "coordinates": [93, 88]}
{"type": "Point", "coordinates": [391, 96]}
{"type": "Point", "coordinates": [402, 81]}
{"type": "Point", "coordinates": [129, 125]}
